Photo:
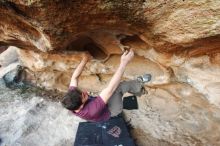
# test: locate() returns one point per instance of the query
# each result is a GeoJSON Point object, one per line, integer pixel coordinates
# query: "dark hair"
{"type": "Point", "coordinates": [72, 100]}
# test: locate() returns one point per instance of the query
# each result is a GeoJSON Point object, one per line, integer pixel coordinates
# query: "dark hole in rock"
{"type": "Point", "coordinates": [3, 48]}
{"type": "Point", "coordinates": [87, 44]}
{"type": "Point", "coordinates": [131, 40]}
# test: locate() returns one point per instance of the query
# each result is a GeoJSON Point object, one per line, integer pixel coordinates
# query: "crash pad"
{"type": "Point", "coordinates": [113, 132]}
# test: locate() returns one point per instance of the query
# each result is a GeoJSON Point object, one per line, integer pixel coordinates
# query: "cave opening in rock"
{"type": "Point", "coordinates": [85, 43]}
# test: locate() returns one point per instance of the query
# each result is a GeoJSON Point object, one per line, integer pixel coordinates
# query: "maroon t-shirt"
{"type": "Point", "coordinates": [94, 109]}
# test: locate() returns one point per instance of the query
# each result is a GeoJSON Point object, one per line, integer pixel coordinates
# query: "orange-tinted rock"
{"type": "Point", "coordinates": [176, 41]}
{"type": "Point", "coordinates": [174, 26]}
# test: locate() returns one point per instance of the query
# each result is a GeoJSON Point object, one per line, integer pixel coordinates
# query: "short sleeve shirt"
{"type": "Point", "coordinates": [94, 109]}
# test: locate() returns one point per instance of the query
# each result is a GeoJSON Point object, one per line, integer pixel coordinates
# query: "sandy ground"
{"type": "Point", "coordinates": [27, 119]}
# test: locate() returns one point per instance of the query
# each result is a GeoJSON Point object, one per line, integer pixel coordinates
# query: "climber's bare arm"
{"type": "Point", "coordinates": [79, 69]}
{"type": "Point", "coordinates": [109, 90]}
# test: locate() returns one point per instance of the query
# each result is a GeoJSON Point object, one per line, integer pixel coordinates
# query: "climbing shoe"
{"type": "Point", "coordinates": [144, 78]}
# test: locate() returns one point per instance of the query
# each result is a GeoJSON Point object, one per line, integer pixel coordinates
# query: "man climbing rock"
{"type": "Point", "coordinates": [109, 102]}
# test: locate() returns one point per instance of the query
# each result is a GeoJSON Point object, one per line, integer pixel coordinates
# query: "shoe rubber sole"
{"type": "Point", "coordinates": [144, 78]}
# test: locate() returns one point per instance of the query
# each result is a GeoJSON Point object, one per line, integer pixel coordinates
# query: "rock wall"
{"type": "Point", "coordinates": [176, 41]}
{"type": "Point", "coordinates": [168, 26]}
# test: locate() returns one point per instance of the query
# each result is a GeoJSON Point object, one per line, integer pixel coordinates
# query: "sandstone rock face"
{"type": "Point", "coordinates": [178, 42]}
{"type": "Point", "coordinates": [167, 26]}
{"type": "Point", "coordinates": [8, 60]}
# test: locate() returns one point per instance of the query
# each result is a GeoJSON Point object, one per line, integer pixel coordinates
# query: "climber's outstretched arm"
{"type": "Point", "coordinates": [79, 69]}
{"type": "Point", "coordinates": [109, 90]}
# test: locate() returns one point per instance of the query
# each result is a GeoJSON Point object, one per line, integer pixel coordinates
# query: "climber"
{"type": "Point", "coordinates": [109, 102]}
